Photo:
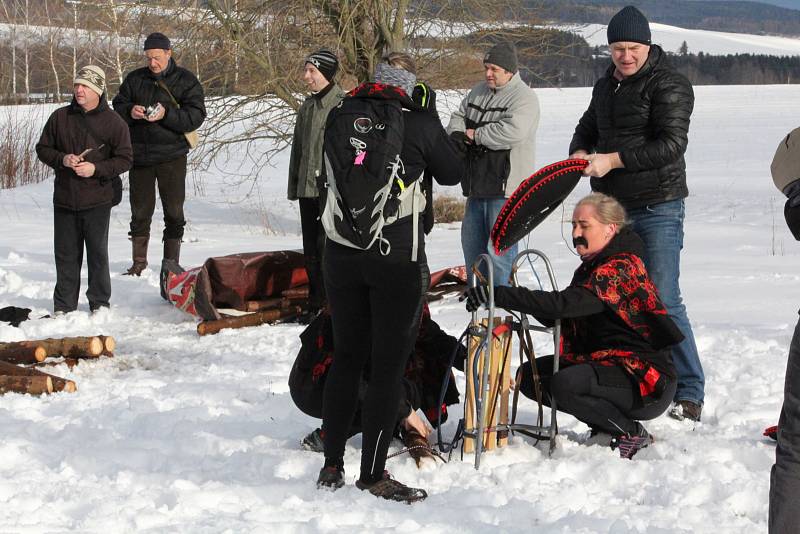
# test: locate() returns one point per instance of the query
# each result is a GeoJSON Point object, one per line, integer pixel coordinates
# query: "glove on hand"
{"type": "Point", "coordinates": [476, 297]}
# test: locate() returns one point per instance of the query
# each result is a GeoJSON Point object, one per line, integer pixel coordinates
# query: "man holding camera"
{"type": "Point", "coordinates": [163, 105]}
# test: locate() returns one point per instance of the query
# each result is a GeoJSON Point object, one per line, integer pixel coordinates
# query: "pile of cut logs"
{"type": "Point", "coordinates": [19, 361]}
{"type": "Point", "coordinates": [291, 304]}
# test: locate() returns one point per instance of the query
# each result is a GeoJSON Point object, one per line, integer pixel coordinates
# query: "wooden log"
{"type": "Point", "coordinates": [259, 305]}
{"type": "Point", "coordinates": [58, 383]}
{"type": "Point", "coordinates": [33, 385]}
{"type": "Point", "coordinates": [296, 293]}
{"type": "Point", "coordinates": [109, 344]}
{"type": "Point", "coordinates": [252, 319]}
{"type": "Point", "coordinates": [69, 346]}
{"type": "Point", "coordinates": [22, 352]}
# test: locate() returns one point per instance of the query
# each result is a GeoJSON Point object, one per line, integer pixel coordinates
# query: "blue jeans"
{"type": "Point", "coordinates": [661, 228]}
{"type": "Point", "coordinates": [479, 217]}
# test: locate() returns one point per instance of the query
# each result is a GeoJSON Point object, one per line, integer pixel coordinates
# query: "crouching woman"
{"type": "Point", "coordinates": [615, 367]}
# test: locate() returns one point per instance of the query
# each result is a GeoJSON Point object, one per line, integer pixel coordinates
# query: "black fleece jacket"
{"type": "Point", "coordinates": [645, 118]}
{"type": "Point", "coordinates": [161, 141]}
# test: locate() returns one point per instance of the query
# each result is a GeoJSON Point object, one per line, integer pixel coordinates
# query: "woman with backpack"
{"type": "Point", "coordinates": [374, 264]}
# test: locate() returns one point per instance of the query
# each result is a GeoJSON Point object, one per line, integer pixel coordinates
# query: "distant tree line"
{"type": "Point", "coordinates": [733, 16]}
{"type": "Point", "coordinates": [570, 62]}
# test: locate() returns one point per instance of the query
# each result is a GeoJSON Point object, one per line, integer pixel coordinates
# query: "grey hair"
{"type": "Point", "coordinates": [608, 209]}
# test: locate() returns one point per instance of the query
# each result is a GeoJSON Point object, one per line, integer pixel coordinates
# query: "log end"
{"type": "Point", "coordinates": [109, 343]}
{"type": "Point", "coordinates": [95, 346]}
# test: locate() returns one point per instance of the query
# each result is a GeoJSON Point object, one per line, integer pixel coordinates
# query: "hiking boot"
{"type": "Point", "coordinates": [314, 441]}
{"type": "Point", "coordinates": [686, 409]}
{"type": "Point", "coordinates": [392, 490]}
{"type": "Point", "coordinates": [331, 478]}
{"type": "Point", "coordinates": [630, 444]}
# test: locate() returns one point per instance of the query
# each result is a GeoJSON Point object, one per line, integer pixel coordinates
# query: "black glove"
{"type": "Point", "coordinates": [476, 297]}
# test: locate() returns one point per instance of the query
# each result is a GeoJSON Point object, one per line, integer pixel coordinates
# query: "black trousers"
{"type": "Point", "coordinates": [784, 487]}
{"type": "Point", "coordinates": [171, 179]}
{"type": "Point", "coordinates": [375, 304]}
{"type": "Point", "coordinates": [605, 398]}
{"type": "Point", "coordinates": [71, 231]}
{"type": "Point", "coordinates": [313, 245]}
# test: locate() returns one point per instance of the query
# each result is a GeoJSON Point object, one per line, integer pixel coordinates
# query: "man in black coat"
{"type": "Point", "coordinates": [88, 146]}
{"type": "Point", "coordinates": [635, 134]}
{"type": "Point", "coordinates": [161, 103]}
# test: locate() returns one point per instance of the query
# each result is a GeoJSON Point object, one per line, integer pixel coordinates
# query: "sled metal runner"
{"type": "Point", "coordinates": [479, 374]}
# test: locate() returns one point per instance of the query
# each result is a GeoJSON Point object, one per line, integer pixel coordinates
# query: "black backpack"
{"type": "Point", "coordinates": [366, 187]}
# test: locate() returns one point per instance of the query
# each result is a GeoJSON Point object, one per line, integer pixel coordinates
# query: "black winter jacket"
{"type": "Point", "coordinates": [597, 326]}
{"type": "Point", "coordinates": [66, 133]}
{"type": "Point", "coordinates": [645, 118]}
{"type": "Point", "coordinates": [161, 141]}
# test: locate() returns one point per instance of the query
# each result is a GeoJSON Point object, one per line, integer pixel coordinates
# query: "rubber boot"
{"type": "Point", "coordinates": [172, 250]}
{"type": "Point", "coordinates": [169, 264]}
{"type": "Point", "coordinates": [139, 245]}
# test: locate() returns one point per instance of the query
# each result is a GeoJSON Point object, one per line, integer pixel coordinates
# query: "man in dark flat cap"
{"type": "Point", "coordinates": [161, 103]}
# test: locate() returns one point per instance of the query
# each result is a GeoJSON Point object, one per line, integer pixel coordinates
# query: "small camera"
{"type": "Point", "coordinates": [152, 110]}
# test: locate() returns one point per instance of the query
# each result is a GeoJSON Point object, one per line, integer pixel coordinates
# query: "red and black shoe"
{"type": "Point", "coordinates": [630, 444]}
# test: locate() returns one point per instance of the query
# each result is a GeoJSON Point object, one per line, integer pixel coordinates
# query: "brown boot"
{"type": "Point", "coordinates": [172, 250]}
{"type": "Point", "coordinates": [139, 245]}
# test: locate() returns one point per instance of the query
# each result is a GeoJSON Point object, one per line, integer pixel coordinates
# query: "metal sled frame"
{"type": "Point", "coordinates": [480, 377]}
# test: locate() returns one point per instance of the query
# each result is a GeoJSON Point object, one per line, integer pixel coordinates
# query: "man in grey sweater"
{"type": "Point", "coordinates": [496, 123]}
{"type": "Point", "coordinates": [306, 165]}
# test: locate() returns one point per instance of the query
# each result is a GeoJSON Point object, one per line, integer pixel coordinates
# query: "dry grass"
{"type": "Point", "coordinates": [448, 209]}
{"type": "Point", "coordinates": [18, 136]}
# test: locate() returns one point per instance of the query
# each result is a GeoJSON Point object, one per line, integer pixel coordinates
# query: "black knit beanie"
{"type": "Point", "coordinates": [629, 25]}
{"type": "Point", "coordinates": [325, 61]}
{"type": "Point", "coordinates": [503, 55]}
{"type": "Point", "coordinates": [157, 40]}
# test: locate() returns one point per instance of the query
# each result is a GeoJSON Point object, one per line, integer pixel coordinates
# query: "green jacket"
{"type": "Point", "coordinates": [306, 163]}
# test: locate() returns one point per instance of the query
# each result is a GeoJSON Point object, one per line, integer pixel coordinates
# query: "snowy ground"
{"type": "Point", "coordinates": [180, 433]}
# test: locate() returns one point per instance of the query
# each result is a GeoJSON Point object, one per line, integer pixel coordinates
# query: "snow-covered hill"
{"type": "Point", "coordinates": [179, 433]}
{"type": "Point", "coordinates": [715, 43]}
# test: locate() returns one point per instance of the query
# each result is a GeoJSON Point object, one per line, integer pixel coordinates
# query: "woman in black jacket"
{"type": "Point", "coordinates": [615, 366]}
{"type": "Point", "coordinates": [375, 295]}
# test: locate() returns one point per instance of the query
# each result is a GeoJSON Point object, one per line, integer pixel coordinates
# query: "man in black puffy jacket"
{"type": "Point", "coordinates": [161, 103]}
{"type": "Point", "coordinates": [635, 134]}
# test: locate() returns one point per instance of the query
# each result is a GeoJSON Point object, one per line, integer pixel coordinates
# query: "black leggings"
{"type": "Point", "coordinates": [313, 243]}
{"type": "Point", "coordinates": [605, 398]}
{"type": "Point", "coordinates": [375, 304]}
